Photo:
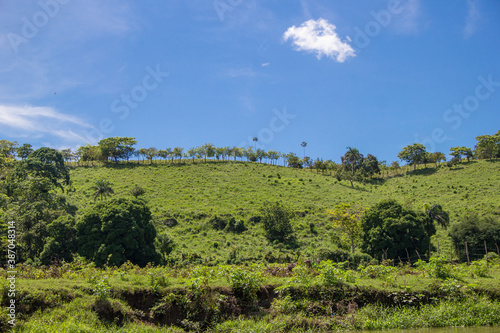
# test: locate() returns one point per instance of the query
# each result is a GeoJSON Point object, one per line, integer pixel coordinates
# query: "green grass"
{"type": "Point", "coordinates": [400, 297]}
{"type": "Point", "coordinates": [192, 193]}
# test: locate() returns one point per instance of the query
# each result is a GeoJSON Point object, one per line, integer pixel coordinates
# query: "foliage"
{"type": "Point", "coordinates": [332, 274]}
{"type": "Point", "coordinates": [488, 146]}
{"type": "Point", "coordinates": [117, 148]}
{"type": "Point", "coordinates": [413, 154]}
{"type": "Point", "coordinates": [244, 282]}
{"type": "Point", "coordinates": [24, 151]}
{"type": "Point", "coordinates": [458, 152]}
{"type": "Point", "coordinates": [276, 221]}
{"type": "Point", "coordinates": [436, 213]}
{"type": "Point", "coordinates": [390, 229]}
{"type": "Point", "coordinates": [348, 218]}
{"type": "Point", "coordinates": [475, 230]}
{"type": "Point", "coordinates": [102, 189]}
{"type": "Point", "coordinates": [33, 206]}
{"type": "Point", "coordinates": [100, 287]}
{"type": "Point", "coordinates": [436, 267]}
{"type": "Point", "coordinates": [116, 231]}
{"type": "Point", "coordinates": [165, 245]}
{"type": "Point", "coordinates": [46, 163]}
{"type": "Point", "coordinates": [60, 244]}
{"type": "Point", "coordinates": [137, 191]}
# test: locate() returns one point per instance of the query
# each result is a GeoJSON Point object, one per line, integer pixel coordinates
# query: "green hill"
{"type": "Point", "coordinates": [193, 192]}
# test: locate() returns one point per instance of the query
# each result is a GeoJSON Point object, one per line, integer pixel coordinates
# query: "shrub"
{"type": "Point", "coordinates": [137, 191]}
{"type": "Point", "coordinates": [227, 223]}
{"type": "Point", "coordinates": [437, 267]}
{"type": "Point", "coordinates": [276, 221]}
{"type": "Point", "coordinates": [333, 274]}
{"type": "Point", "coordinates": [245, 283]}
{"type": "Point", "coordinates": [391, 229]}
{"type": "Point", "coordinates": [475, 231]}
{"type": "Point", "coordinates": [116, 231]}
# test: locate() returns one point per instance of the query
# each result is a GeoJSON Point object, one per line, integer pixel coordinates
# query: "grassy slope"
{"type": "Point", "coordinates": [187, 191]}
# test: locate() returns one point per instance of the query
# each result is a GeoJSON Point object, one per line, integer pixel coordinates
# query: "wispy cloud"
{"type": "Point", "coordinates": [409, 21]}
{"type": "Point", "coordinates": [40, 65]}
{"type": "Point", "coordinates": [319, 36]}
{"type": "Point", "coordinates": [473, 16]}
{"type": "Point", "coordinates": [41, 122]}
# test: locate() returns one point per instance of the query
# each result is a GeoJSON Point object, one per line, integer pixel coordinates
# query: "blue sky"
{"type": "Point", "coordinates": [376, 75]}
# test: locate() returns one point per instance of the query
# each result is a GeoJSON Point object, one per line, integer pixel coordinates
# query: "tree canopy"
{"type": "Point", "coordinates": [116, 231]}
{"type": "Point", "coordinates": [413, 154]}
{"type": "Point", "coordinates": [391, 229]}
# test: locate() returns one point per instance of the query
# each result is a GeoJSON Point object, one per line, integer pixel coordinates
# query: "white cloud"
{"type": "Point", "coordinates": [265, 64]}
{"type": "Point", "coordinates": [319, 36]}
{"type": "Point", "coordinates": [41, 122]}
{"type": "Point", "coordinates": [472, 18]}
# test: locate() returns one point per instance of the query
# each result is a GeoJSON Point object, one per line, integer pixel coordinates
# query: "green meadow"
{"type": "Point", "coordinates": [192, 193]}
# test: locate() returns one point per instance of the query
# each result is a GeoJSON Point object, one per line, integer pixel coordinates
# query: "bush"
{"type": "Point", "coordinates": [475, 231]}
{"type": "Point", "coordinates": [116, 231]}
{"type": "Point", "coordinates": [276, 221]}
{"type": "Point", "coordinates": [338, 255]}
{"type": "Point", "coordinates": [333, 274]}
{"type": "Point", "coordinates": [227, 223]}
{"type": "Point", "coordinates": [391, 229]}
{"type": "Point", "coordinates": [245, 283]}
{"type": "Point", "coordinates": [137, 191]}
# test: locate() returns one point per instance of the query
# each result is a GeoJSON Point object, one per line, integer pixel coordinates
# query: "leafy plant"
{"type": "Point", "coordinates": [100, 287]}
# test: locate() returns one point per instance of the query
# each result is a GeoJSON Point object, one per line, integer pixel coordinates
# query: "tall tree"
{"type": "Point", "coordinates": [8, 148]}
{"type": "Point", "coordinates": [24, 151]}
{"type": "Point", "coordinates": [351, 166]}
{"type": "Point", "coordinates": [117, 148]}
{"type": "Point", "coordinates": [304, 145]}
{"type": "Point", "coordinates": [293, 161]}
{"type": "Point", "coordinates": [191, 153]}
{"type": "Point", "coordinates": [178, 152]}
{"type": "Point", "coordinates": [273, 156]}
{"type": "Point", "coordinates": [413, 154]}
{"type": "Point", "coordinates": [48, 163]}
{"type": "Point", "coordinates": [255, 139]}
{"type": "Point", "coordinates": [261, 154]}
{"type": "Point", "coordinates": [436, 213]}
{"type": "Point", "coordinates": [208, 150]}
{"type": "Point", "coordinates": [90, 153]}
{"type": "Point", "coordinates": [67, 155]}
{"type": "Point", "coordinates": [437, 157]}
{"type": "Point", "coordinates": [488, 145]}
{"type": "Point", "coordinates": [150, 154]}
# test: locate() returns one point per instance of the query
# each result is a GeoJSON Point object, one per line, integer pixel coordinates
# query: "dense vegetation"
{"type": "Point", "coordinates": [97, 207]}
{"type": "Point", "coordinates": [307, 296]}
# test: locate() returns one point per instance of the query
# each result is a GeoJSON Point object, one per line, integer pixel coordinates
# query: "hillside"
{"type": "Point", "coordinates": [193, 192]}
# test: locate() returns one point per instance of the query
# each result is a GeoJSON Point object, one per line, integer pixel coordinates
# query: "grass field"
{"type": "Point", "coordinates": [227, 282]}
{"type": "Point", "coordinates": [193, 192]}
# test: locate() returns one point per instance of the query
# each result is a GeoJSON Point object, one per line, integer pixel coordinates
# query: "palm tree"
{"type": "Point", "coordinates": [103, 189]}
{"type": "Point", "coordinates": [353, 157]}
{"type": "Point", "coordinates": [304, 144]}
{"type": "Point", "coordinates": [436, 213]}
{"type": "Point", "coordinates": [255, 139]}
